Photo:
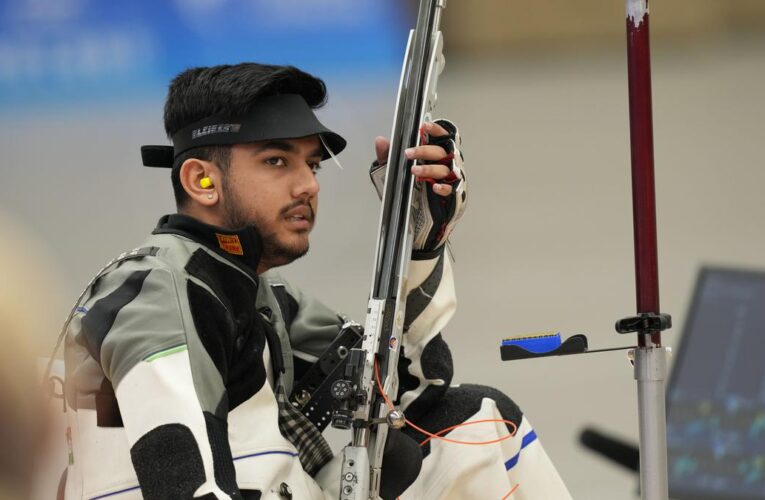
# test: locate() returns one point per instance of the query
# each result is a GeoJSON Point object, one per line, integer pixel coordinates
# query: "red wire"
{"type": "Point", "coordinates": [437, 435]}
{"type": "Point", "coordinates": [511, 491]}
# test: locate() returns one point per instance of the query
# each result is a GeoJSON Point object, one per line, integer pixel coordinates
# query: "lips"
{"type": "Point", "coordinates": [302, 212]}
{"type": "Point", "coordinates": [300, 216]}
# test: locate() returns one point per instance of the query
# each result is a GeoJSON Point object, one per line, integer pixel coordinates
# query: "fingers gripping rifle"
{"type": "Point", "coordinates": [361, 407]}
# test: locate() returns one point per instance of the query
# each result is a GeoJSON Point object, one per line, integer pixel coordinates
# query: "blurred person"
{"type": "Point", "coordinates": [25, 420]}
{"type": "Point", "coordinates": [22, 421]}
{"type": "Point", "coordinates": [182, 354]}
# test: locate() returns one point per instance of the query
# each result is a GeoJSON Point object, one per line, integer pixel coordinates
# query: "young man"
{"type": "Point", "coordinates": [182, 355]}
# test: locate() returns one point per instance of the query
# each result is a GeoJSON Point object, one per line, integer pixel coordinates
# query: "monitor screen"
{"type": "Point", "coordinates": [716, 395]}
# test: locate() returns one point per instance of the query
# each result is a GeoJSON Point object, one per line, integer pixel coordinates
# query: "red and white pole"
{"type": "Point", "coordinates": [649, 356]}
{"type": "Point", "coordinates": [641, 141]}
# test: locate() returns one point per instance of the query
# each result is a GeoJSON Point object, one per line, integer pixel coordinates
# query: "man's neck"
{"type": "Point", "coordinates": [203, 214]}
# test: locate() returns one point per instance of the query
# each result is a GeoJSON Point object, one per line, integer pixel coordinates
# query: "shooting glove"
{"type": "Point", "coordinates": [434, 216]}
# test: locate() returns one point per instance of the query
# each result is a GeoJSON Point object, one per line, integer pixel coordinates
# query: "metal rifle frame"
{"type": "Point", "coordinates": [360, 405]}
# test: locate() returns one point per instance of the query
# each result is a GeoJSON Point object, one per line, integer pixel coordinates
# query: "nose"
{"type": "Point", "coordinates": [306, 184]}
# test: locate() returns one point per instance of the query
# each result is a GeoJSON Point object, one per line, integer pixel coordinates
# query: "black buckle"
{"type": "Point", "coordinates": [644, 323]}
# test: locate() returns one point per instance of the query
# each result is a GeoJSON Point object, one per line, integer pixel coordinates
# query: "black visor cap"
{"type": "Point", "coordinates": [284, 116]}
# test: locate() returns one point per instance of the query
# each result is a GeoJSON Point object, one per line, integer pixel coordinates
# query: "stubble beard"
{"type": "Point", "coordinates": [275, 252]}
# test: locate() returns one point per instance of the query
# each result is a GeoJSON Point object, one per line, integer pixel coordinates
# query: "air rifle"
{"type": "Point", "coordinates": [360, 406]}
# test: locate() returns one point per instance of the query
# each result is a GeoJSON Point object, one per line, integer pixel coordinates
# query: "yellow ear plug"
{"type": "Point", "coordinates": [206, 182]}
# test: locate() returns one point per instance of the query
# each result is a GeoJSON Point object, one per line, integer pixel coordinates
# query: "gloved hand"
{"type": "Point", "coordinates": [441, 188]}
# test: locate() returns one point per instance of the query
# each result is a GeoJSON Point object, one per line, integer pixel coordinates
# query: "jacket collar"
{"type": "Point", "coordinates": [242, 246]}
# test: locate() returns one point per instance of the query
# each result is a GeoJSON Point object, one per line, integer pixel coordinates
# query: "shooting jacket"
{"type": "Point", "coordinates": [179, 356]}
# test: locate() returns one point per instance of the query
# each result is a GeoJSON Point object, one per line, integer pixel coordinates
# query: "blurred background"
{"type": "Point", "coordinates": [539, 91]}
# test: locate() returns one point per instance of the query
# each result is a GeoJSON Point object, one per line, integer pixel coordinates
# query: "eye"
{"type": "Point", "coordinates": [315, 167]}
{"type": "Point", "coordinates": [276, 161]}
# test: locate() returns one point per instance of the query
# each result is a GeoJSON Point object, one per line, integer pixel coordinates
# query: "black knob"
{"type": "Point", "coordinates": [342, 419]}
{"type": "Point", "coordinates": [341, 390]}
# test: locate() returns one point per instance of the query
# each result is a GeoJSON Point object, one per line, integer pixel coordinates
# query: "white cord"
{"type": "Point", "coordinates": [331, 153]}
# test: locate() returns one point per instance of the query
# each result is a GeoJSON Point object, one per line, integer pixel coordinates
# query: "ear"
{"type": "Point", "coordinates": [191, 174]}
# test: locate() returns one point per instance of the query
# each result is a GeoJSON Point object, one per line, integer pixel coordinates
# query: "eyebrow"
{"type": "Point", "coordinates": [286, 147]}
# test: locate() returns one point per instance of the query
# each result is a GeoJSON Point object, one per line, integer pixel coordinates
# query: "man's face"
{"type": "Point", "coordinates": [272, 185]}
